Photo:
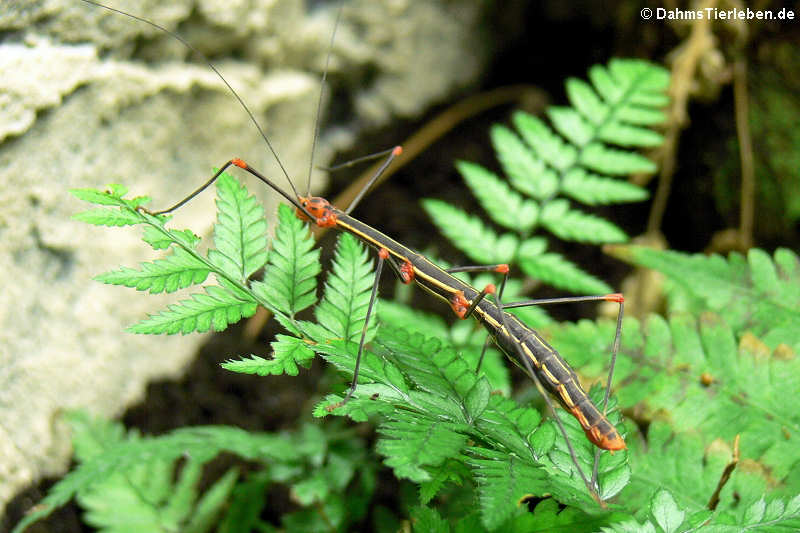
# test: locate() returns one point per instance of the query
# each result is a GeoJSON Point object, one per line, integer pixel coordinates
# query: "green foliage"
{"type": "Point", "coordinates": [756, 293]}
{"type": "Point", "coordinates": [290, 278]}
{"type": "Point", "coordinates": [723, 366]}
{"type": "Point", "coordinates": [128, 483]}
{"type": "Point", "coordinates": [551, 169]}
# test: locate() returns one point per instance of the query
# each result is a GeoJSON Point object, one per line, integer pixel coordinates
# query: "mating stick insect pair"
{"type": "Point", "coordinates": [517, 341]}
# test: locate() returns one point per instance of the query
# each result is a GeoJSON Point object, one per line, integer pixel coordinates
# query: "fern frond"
{"type": "Point", "coordinates": [632, 84]}
{"type": "Point", "coordinates": [288, 354]}
{"type": "Point", "coordinates": [215, 309]}
{"type": "Point", "coordinates": [554, 269]}
{"type": "Point", "coordinates": [161, 240]}
{"type": "Point", "coordinates": [211, 504]}
{"type": "Point", "coordinates": [108, 217]}
{"type": "Point", "coordinates": [573, 225]}
{"type": "Point", "coordinates": [612, 161]}
{"type": "Point", "coordinates": [176, 271]}
{"type": "Point", "coordinates": [503, 479]}
{"type": "Point", "coordinates": [240, 232]}
{"type": "Point", "coordinates": [122, 469]}
{"type": "Point", "coordinates": [699, 389]}
{"type": "Point", "coordinates": [290, 282]}
{"type": "Point", "coordinates": [465, 231]}
{"type": "Point", "coordinates": [431, 365]}
{"type": "Point", "coordinates": [756, 293]}
{"type": "Point", "coordinates": [527, 170]}
{"type": "Point", "coordinates": [504, 206]}
{"type": "Point", "coordinates": [450, 471]}
{"type": "Point", "coordinates": [591, 189]}
{"type": "Point", "coordinates": [113, 195]}
{"type": "Point", "coordinates": [347, 292]}
{"type": "Point", "coordinates": [575, 158]}
{"type": "Point", "coordinates": [412, 442]}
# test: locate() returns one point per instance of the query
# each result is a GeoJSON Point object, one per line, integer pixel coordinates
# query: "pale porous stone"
{"type": "Point", "coordinates": [88, 97]}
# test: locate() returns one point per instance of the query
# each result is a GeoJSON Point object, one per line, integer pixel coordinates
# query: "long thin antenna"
{"type": "Point", "coordinates": [319, 101]}
{"type": "Point", "coordinates": [212, 67]}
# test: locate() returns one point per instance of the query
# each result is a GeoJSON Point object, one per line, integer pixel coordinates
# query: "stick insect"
{"type": "Point", "coordinates": [520, 343]}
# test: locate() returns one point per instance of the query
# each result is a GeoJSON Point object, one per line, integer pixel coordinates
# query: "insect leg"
{"type": "Point", "coordinates": [383, 254]}
{"type": "Point", "coordinates": [502, 269]}
{"type": "Point", "coordinates": [247, 168]}
{"type": "Point", "coordinates": [393, 153]}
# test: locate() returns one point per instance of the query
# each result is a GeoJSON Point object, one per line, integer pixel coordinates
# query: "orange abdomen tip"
{"type": "Point", "coordinates": [616, 297]}
{"type": "Point", "coordinates": [238, 162]}
{"type": "Point", "coordinates": [383, 253]}
{"type": "Point", "coordinates": [490, 289]}
{"type": "Point", "coordinates": [397, 151]}
{"type": "Point", "coordinates": [605, 442]}
{"type": "Point", "coordinates": [501, 269]}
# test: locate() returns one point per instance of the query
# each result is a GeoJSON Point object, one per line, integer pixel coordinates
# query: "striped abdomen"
{"type": "Point", "coordinates": [558, 378]}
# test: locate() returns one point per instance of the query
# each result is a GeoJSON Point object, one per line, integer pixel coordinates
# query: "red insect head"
{"type": "Point", "coordinates": [319, 208]}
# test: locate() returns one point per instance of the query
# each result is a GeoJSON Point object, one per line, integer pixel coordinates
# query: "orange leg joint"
{"type": "Point", "coordinates": [407, 272]}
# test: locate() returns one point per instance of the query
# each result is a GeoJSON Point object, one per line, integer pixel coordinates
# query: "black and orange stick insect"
{"type": "Point", "coordinates": [519, 342]}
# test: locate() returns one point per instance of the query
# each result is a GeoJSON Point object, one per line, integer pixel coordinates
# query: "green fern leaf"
{"type": "Point", "coordinates": [626, 135]}
{"type": "Point", "coordinates": [631, 84]}
{"type": "Point", "coordinates": [176, 271]}
{"type": "Point", "coordinates": [161, 239]}
{"type": "Point", "coordinates": [109, 217]}
{"type": "Point", "coordinates": [216, 309]}
{"type": "Point", "coordinates": [139, 454]}
{"type": "Point", "coordinates": [240, 231]}
{"type": "Point", "coordinates": [506, 207]}
{"type": "Point", "coordinates": [112, 196]}
{"type": "Point", "coordinates": [183, 494]}
{"type": "Point", "coordinates": [516, 432]}
{"type": "Point", "coordinates": [503, 479]}
{"type": "Point", "coordinates": [611, 161]}
{"type": "Point", "coordinates": [432, 366]}
{"type": "Point", "coordinates": [427, 520]}
{"type": "Point", "coordinates": [572, 225]}
{"type": "Point", "coordinates": [592, 189]}
{"type": "Point", "coordinates": [208, 509]}
{"type": "Point", "coordinates": [557, 271]}
{"type": "Point", "coordinates": [546, 145]}
{"type": "Point", "coordinates": [412, 442]}
{"type": "Point", "coordinates": [589, 106]}
{"type": "Point", "coordinates": [624, 97]}
{"type": "Point", "coordinates": [397, 315]}
{"type": "Point", "coordinates": [310, 490]}
{"type": "Point", "coordinates": [290, 281]}
{"type": "Point", "coordinates": [756, 294]}
{"type": "Point", "coordinates": [666, 512]}
{"type": "Point", "coordinates": [288, 354]}
{"type": "Point", "coordinates": [696, 386]}
{"type": "Point", "coordinates": [526, 172]}
{"type": "Point", "coordinates": [246, 505]}
{"type": "Point", "coordinates": [462, 335]}
{"type": "Point", "coordinates": [450, 471]}
{"type": "Point", "coordinates": [347, 292]}
{"type": "Point", "coordinates": [549, 515]}
{"type": "Point", "coordinates": [465, 231]}
{"type": "Point", "coordinates": [571, 125]}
